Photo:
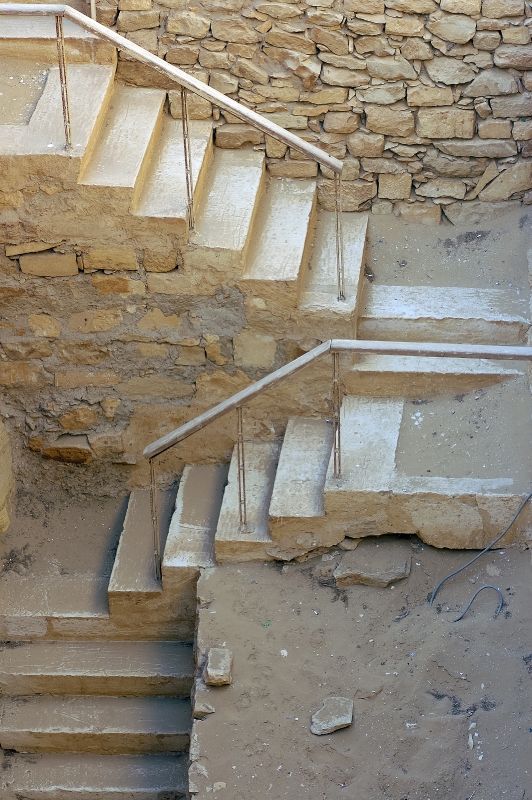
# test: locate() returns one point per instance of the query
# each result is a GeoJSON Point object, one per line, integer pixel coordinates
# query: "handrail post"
{"type": "Point", "coordinates": [340, 272]}
{"type": "Point", "coordinates": [93, 10]}
{"type": "Point", "coordinates": [337, 403]}
{"type": "Point", "coordinates": [242, 508]}
{"type": "Point", "coordinates": [155, 522]}
{"type": "Point", "coordinates": [63, 80]}
{"type": "Point", "coordinates": [188, 158]}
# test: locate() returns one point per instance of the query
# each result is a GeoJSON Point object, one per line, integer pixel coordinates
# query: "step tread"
{"type": "Point", "coordinates": [126, 135]}
{"type": "Point", "coordinates": [441, 366]}
{"type": "Point", "coordinates": [164, 192]}
{"type": "Point", "coordinates": [281, 231]}
{"type": "Point", "coordinates": [303, 462]}
{"type": "Point", "coordinates": [53, 596]}
{"type": "Point", "coordinates": [226, 210]}
{"type": "Point", "coordinates": [190, 540]}
{"type": "Point", "coordinates": [82, 776]}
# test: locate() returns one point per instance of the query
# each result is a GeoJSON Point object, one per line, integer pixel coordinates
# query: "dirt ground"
{"type": "Point", "coordinates": [442, 709]}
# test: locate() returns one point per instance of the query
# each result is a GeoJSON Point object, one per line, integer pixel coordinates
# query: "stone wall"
{"type": "Point", "coordinates": [428, 102]}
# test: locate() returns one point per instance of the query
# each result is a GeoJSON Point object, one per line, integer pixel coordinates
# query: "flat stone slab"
{"type": "Point", "coordinates": [377, 561]}
{"type": "Point", "coordinates": [219, 667]}
{"type": "Point", "coordinates": [335, 713]}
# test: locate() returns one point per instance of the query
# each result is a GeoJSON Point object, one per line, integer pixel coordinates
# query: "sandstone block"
{"type": "Point", "coordinates": [519, 105]}
{"type": "Point", "coordinates": [152, 349]}
{"type": "Point", "coordinates": [78, 419]}
{"type": "Point", "coordinates": [70, 449]}
{"type": "Point", "coordinates": [339, 76]}
{"type": "Point", "coordinates": [187, 23]}
{"type": "Point", "coordinates": [213, 60]}
{"type": "Point", "coordinates": [145, 38]}
{"type": "Point", "coordinates": [513, 56]}
{"type": "Point", "coordinates": [325, 97]}
{"type": "Point", "coordinates": [28, 247]}
{"type": "Point", "coordinates": [522, 131]}
{"type": "Point", "coordinates": [492, 82]}
{"type": "Point", "coordinates": [490, 173]}
{"type": "Point", "coordinates": [461, 6]}
{"type": "Point", "coordinates": [456, 28]}
{"type": "Point", "coordinates": [362, 27]}
{"type": "Point", "coordinates": [232, 136]}
{"type": "Point", "coordinates": [182, 54]}
{"type": "Point", "coordinates": [478, 213]}
{"type": "Point", "coordinates": [279, 10]}
{"type": "Point", "coordinates": [365, 144]}
{"type": "Point", "coordinates": [382, 95]}
{"type": "Point", "coordinates": [198, 107]}
{"type": "Point", "coordinates": [286, 120]}
{"type": "Point", "coordinates": [390, 68]}
{"type": "Point", "coordinates": [218, 669]}
{"type": "Point", "coordinates": [375, 563]}
{"type": "Point", "coordinates": [354, 194]}
{"type": "Point", "coordinates": [80, 378]}
{"type": "Point", "coordinates": [20, 373]}
{"type": "Point", "coordinates": [395, 187]}
{"type": "Point", "coordinates": [75, 351]}
{"type": "Point", "coordinates": [290, 41]}
{"type": "Point", "coordinates": [478, 148]}
{"type": "Point", "coordinates": [442, 187]}
{"type": "Point", "coordinates": [373, 44]}
{"type": "Point", "coordinates": [335, 713]}
{"type": "Point", "coordinates": [155, 319]}
{"type": "Point", "coordinates": [44, 325]}
{"type": "Point", "coordinates": [106, 445]}
{"type": "Point", "coordinates": [417, 50]}
{"type": "Point", "coordinates": [381, 119]}
{"type": "Point", "coordinates": [449, 71]}
{"type": "Point", "coordinates": [105, 14]}
{"type": "Point", "coordinates": [308, 71]}
{"type": "Point", "coordinates": [388, 166]}
{"type": "Point", "coordinates": [350, 171]}
{"type": "Point", "coordinates": [223, 82]}
{"type": "Point", "coordinates": [502, 8]}
{"type": "Point", "coordinates": [156, 386]}
{"type": "Point", "coordinates": [516, 178]}
{"type": "Point", "coordinates": [413, 6]}
{"type": "Point", "coordinates": [365, 6]}
{"type": "Point", "coordinates": [49, 265]}
{"type": "Point", "coordinates": [254, 350]}
{"type": "Point", "coordinates": [134, 5]}
{"type": "Point", "coordinates": [495, 129]}
{"type": "Point", "coordinates": [94, 321]}
{"type": "Point", "coordinates": [119, 258]}
{"type": "Point", "coordinates": [519, 35]}
{"type": "Point", "coordinates": [26, 350]}
{"type": "Point", "coordinates": [341, 122]}
{"type": "Point", "coordinates": [486, 40]}
{"type": "Point", "coordinates": [335, 42]}
{"type": "Point", "coordinates": [293, 169]}
{"type": "Point", "coordinates": [244, 68]}
{"type": "Point", "coordinates": [117, 284]}
{"type": "Point", "coordinates": [446, 123]}
{"type": "Point", "coordinates": [275, 148]}
{"type": "Point", "coordinates": [137, 20]}
{"type": "Point", "coordinates": [191, 356]}
{"type": "Point", "coordinates": [420, 213]}
{"type": "Point", "coordinates": [429, 96]}
{"type": "Point", "coordinates": [404, 26]}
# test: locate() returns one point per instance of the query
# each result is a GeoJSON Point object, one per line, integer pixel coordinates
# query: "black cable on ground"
{"type": "Point", "coordinates": [487, 586]}
{"type": "Point", "coordinates": [492, 544]}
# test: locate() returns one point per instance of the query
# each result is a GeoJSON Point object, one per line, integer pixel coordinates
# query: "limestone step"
{"type": "Point", "coordinates": [226, 211]}
{"type": "Point", "coordinates": [385, 376]}
{"type": "Point", "coordinates": [35, 38]}
{"type": "Point", "coordinates": [125, 146]}
{"type": "Point", "coordinates": [190, 543]}
{"type": "Point", "coordinates": [296, 515]}
{"type": "Point", "coordinates": [164, 192]}
{"type": "Point", "coordinates": [320, 295]}
{"type": "Point", "coordinates": [278, 256]}
{"type": "Point", "coordinates": [99, 668]}
{"type": "Point", "coordinates": [444, 314]}
{"type": "Point", "coordinates": [452, 469]}
{"type": "Point", "coordinates": [231, 543]}
{"type": "Point", "coordinates": [85, 724]}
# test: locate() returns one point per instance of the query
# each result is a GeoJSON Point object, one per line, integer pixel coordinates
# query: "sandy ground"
{"type": "Point", "coordinates": [442, 709]}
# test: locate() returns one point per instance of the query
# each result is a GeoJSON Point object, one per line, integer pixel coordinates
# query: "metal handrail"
{"type": "Point", "coordinates": [436, 350]}
{"type": "Point", "coordinates": [182, 78]}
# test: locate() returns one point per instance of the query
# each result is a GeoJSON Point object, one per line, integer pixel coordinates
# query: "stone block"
{"type": "Point", "coordinates": [106, 445]}
{"type": "Point", "coordinates": [192, 356]}
{"type": "Point", "coordinates": [145, 38]}
{"type": "Point", "coordinates": [375, 563]}
{"type": "Point", "coordinates": [198, 107]}
{"type": "Point", "coordinates": [234, 30]}
{"type": "Point", "coordinates": [420, 213]}
{"type": "Point", "coordinates": [254, 350]}
{"type": "Point", "coordinates": [279, 10]}
{"type": "Point", "coordinates": [70, 449]}
{"type": "Point", "coordinates": [137, 20]}
{"type": "Point", "coordinates": [413, 6]}
{"type": "Point", "coordinates": [95, 321]}
{"type": "Point", "coordinates": [517, 178]}
{"type": "Point", "coordinates": [365, 144]}
{"type": "Point", "coordinates": [429, 96]}
{"type": "Point", "coordinates": [106, 258]}
{"type": "Point", "coordinates": [519, 35]}
{"type": "Point", "coordinates": [492, 82]}
{"type": "Point", "coordinates": [152, 350]}
{"type": "Point", "coordinates": [519, 105]}
{"type": "Point", "coordinates": [477, 148]}
{"type": "Point", "coordinates": [385, 166]}
{"type": "Point", "coordinates": [20, 373]}
{"type": "Point", "coordinates": [382, 95]}
{"type": "Point", "coordinates": [218, 669]}
{"type": "Point", "coordinates": [78, 419]}
{"type": "Point", "coordinates": [502, 8]}
{"type": "Point", "coordinates": [290, 41]}
{"type": "Point", "coordinates": [341, 122]}
{"type": "Point", "coordinates": [155, 319]}
{"type": "Point", "coordinates": [478, 213]}
{"type": "Point", "coordinates": [446, 123]}
{"type": "Point", "coordinates": [13, 250]}
{"type": "Point", "coordinates": [355, 194]}
{"type": "Point", "coordinates": [233, 136]}
{"type": "Point", "coordinates": [214, 60]}
{"type": "Point", "coordinates": [350, 170]}
{"type": "Point", "coordinates": [156, 386]}
{"type": "Point", "coordinates": [26, 350]}
{"type": "Point", "coordinates": [456, 28]}
{"type": "Point", "coordinates": [495, 128]}
{"type": "Point", "coordinates": [449, 71]}
{"type": "Point", "coordinates": [339, 76]}
{"type": "Point", "coordinates": [74, 351]}
{"type": "Point", "coordinates": [293, 169]}
{"type": "Point", "coordinates": [395, 187]}
{"type": "Point", "coordinates": [522, 131]}
{"type": "Point", "coordinates": [442, 187]}
{"type": "Point", "coordinates": [183, 54]}
{"type": "Point", "coordinates": [105, 14]}
{"type": "Point", "coordinates": [336, 713]}
{"type": "Point", "coordinates": [81, 378]}
{"type": "Point", "coordinates": [365, 6]}
{"type": "Point", "coordinates": [471, 7]}
{"type": "Point", "coordinates": [333, 41]}
{"type": "Point", "coordinates": [134, 5]}
{"type": "Point", "coordinates": [404, 26]}
{"type": "Point", "coordinates": [187, 23]}
{"type": "Point", "coordinates": [486, 40]}
{"type": "Point", "coordinates": [222, 81]}
{"type": "Point", "coordinates": [245, 68]}
{"type": "Point", "coordinates": [44, 325]}
{"type": "Point", "coordinates": [275, 148]}
{"type": "Point", "coordinates": [325, 97]}
{"type": "Point", "coordinates": [417, 50]}
{"type": "Point", "coordinates": [363, 27]}
{"type": "Point", "coordinates": [49, 265]}
{"type": "Point", "coordinates": [513, 56]}
{"type": "Point", "coordinates": [390, 68]}
{"type": "Point", "coordinates": [7, 479]}
{"type": "Point", "coordinates": [389, 121]}
{"type": "Point", "coordinates": [286, 120]}
{"type": "Point", "coordinates": [117, 284]}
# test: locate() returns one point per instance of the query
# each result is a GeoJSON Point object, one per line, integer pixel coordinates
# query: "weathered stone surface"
{"type": "Point", "coordinates": [486, 40]}
{"type": "Point", "coordinates": [354, 194]}
{"type": "Point", "coordinates": [502, 8]}
{"type": "Point", "coordinates": [155, 319]}
{"type": "Point", "coordinates": [44, 325]}
{"type": "Point", "coordinates": [388, 166]}
{"type": "Point", "coordinates": [218, 669]}
{"type": "Point", "coordinates": [137, 20]}
{"type": "Point", "coordinates": [49, 265]}
{"type": "Point", "coordinates": [117, 284]}
{"type": "Point", "coordinates": [350, 171]}
{"type": "Point", "coordinates": [94, 321]}
{"type": "Point", "coordinates": [20, 373]}
{"type": "Point", "coordinates": [183, 54]}
{"type": "Point", "coordinates": [80, 378]}
{"type": "Point", "coordinates": [492, 82]}
{"type": "Point", "coordinates": [341, 122]}
{"type": "Point", "coordinates": [417, 50]}
{"type": "Point", "coordinates": [449, 71]}
{"type": "Point", "coordinates": [28, 247]}
{"type": "Point", "coordinates": [522, 131]}
{"type": "Point", "coordinates": [291, 41]}
{"type": "Point", "coordinates": [212, 60]}
{"type": "Point", "coordinates": [187, 23]}
{"type": "Point", "coordinates": [413, 6]}
{"type": "Point", "coordinates": [478, 148]}
{"type": "Point", "coordinates": [146, 39]}
{"type": "Point", "coordinates": [365, 144]}
{"type": "Point", "coordinates": [231, 136]}
{"type": "Point", "coordinates": [234, 30]}
{"type": "Point", "coordinates": [286, 120]}
{"type": "Point", "coordinates": [197, 107]}
{"type": "Point", "coordinates": [377, 561]}
{"type": "Point", "coordinates": [404, 26]}
{"type": "Point", "coordinates": [325, 97]}
{"type": "Point", "coordinates": [429, 96]}
{"type": "Point", "coordinates": [244, 68]}
{"type": "Point", "coordinates": [364, 27]}
{"type": "Point", "coordinates": [516, 178]}
{"type": "Point", "coordinates": [461, 6]}
{"type": "Point", "coordinates": [23, 351]}
{"type": "Point", "coordinates": [70, 449]}
{"type": "Point", "coordinates": [279, 10]}
{"type": "Point", "coordinates": [442, 187]}
{"type": "Point", "coordinates": [395, 187]}
{"type": "Point", "coordinates": [382, 95]}
{"type": "Point", "coordinates": [373, 44]}
{"type": "Point", "coordinates": [335, 713]}
{"type": "Point", "coordinates": [76, 351]}
{"type": "Point", "coordinates": [119, 258]}
{"type": "Point", "coordinates": [390, 68]}
{"type": "Point", "coordinates": [513, 56]}
{"type": "Point", "coordinates": [334, 41]}
{"type": "Point", "coordinates": [446, 123]}
{"type": "Point", "coordinates": [420, 213]}
{"type": "Point", "coordinates": [78, 419]}
{"type": "Point", "coordinates": [519, 105]}
{"type": "Point", "coordinates": [476, 212]}
{"type": "Point", "coordinates": [223, 81]}
{"type": "Point", "coordinates": [389, 121]}
{"type": "Point", "coordinates": [293, 169]}
{"type": "Point", "coordinates": [338, 76]}
{"type": "Point", "coordinates": [455, 28]}
{"type": "Point", "coordinates": [495, 128]}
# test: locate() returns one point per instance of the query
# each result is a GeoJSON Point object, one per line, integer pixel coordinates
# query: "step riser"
{"type": "Point", "coordinates": [77, 51]}
{"type": "Point", "coordinates": [122, 627]}
{"type": "Point", "coordinates": [131, 686]}
{"type": "Point", "coordinates": [96, 130]}
{"type": "Point", "coordinates": [451, 330]}
{"type": "Point", "coordinates": [414, 384]}
{"type": "Point", "coordinates": [104, 743]}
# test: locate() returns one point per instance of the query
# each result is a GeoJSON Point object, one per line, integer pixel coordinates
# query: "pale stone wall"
{"type": "Point", "coordinates": [428, 102]}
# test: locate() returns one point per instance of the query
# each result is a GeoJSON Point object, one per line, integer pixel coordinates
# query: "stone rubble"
{"type": "Point", "coordinates": [335, 713]}
{"type": "Point", "coordinates": [377, 561]}
{"type": "Point", "coordinates": [218, 669]}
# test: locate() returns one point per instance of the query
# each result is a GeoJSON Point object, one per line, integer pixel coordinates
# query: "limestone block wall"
{"type": "Point", "coordinates": [428, 102]}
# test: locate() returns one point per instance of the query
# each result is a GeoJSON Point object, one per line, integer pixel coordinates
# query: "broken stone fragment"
{"type": "Point", "coordinates": [219, 667]}
{"type": "Point", "coordinates": [70, 449]}
{"type": "Point", "coordinates": [335, 713]}
{"type": "Point", "coordinates": [202, 708]}
{"type": "Point", "coordinates": [377, 561]}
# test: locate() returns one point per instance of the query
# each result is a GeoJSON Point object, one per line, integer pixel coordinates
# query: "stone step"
{"type": "Point", "coordinates": [35, 38]}
{"type": "Point", "coordinates": [231, 543]}
{"type": "Point", "coordinates": [85, 724]}
{"type": "Point", "coordinates": [451, 469]}
{"type": "Point", "coordinates": [164, 193]}
{"type": "Point", "coordinates": [385, 376]}
{"type": "Point", "coordinates": [277, 259]}
{"type": "Point", "coordinates": [320, 295]}
{"type": "Point", "coordinates": [130, 131]}
{"type": "Point", "coordinates": [99, 668]}
{"type": "Point", "coordinates": [190, 543]}
{"type": "Point", "coordinates": [226, 212]}
{"type": "Point", "coordinates": [444, 314]}
{"type": "Point", "coordinates": [94, 777]}
{"type": "Point", "coordinates": [297, 516]}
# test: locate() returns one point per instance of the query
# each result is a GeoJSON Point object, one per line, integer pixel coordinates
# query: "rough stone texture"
{"type": "Point", "coordinates": [502, 8]}
{"type": "Point", "coordinates": [429, 96]}
{"type": "Point", "coordinates": [449, 71]}
{"type": "Point", "coordinates": [365, 144]}
{"type": "Point", "coordinates": [455, 28]}
{"type": "Point", "coordinates": [335, 713]}
{"type": "Point", "coordinates": [51, 265]}
{"type": "Point", "coordinates": [70, 449]}
{"type": "Point", "coordinates": [516, 178]}
{"type": "Point", "coordinates": [448, 123]}
{"type": "Point", "coordinates": [395, 187]}
{"type": "Point", "coordinates": [490, 83]}
{"type": "Point", "coordinates": [218, 669]}
{"type": "Point", "coordinates": [389, 121]}
{"type": "Point", "coordinates": [513, 56]}
{"type": "Point", "coordinates": [354, 194]}
{"type": "Point", "coordinates": [377, 561]}
{"type": "Point", "coordinates": [519, 105]}
{"type": "Point", "coordinates": [477, 148]}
